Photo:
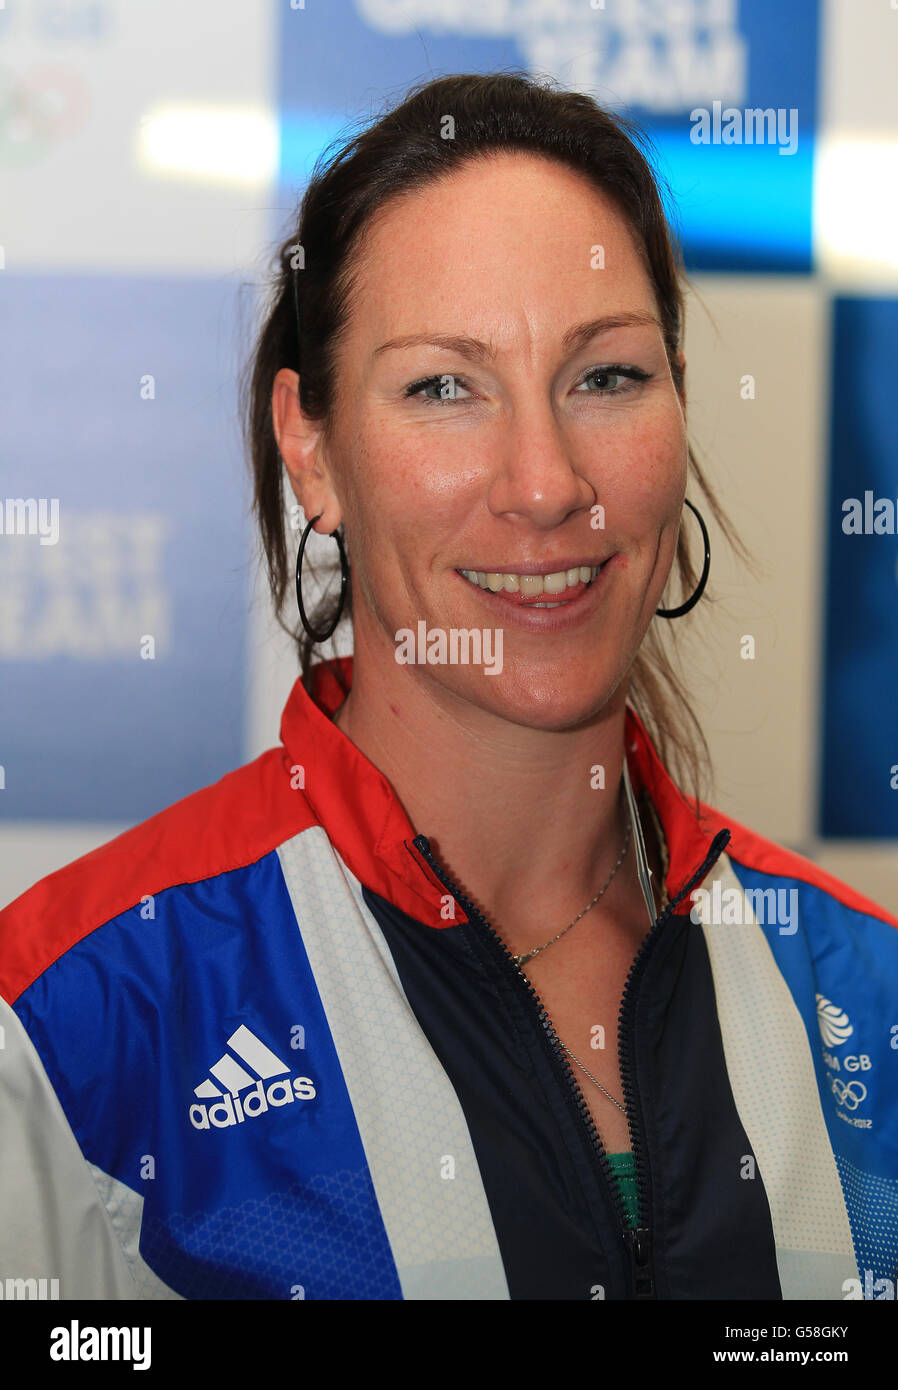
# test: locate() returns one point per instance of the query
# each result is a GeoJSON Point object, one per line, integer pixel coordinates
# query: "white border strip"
{"type": "Point", "coordinates": [410, 1120]}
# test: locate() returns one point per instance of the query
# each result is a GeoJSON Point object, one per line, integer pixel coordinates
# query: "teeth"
{"type": "Point", "coordinates": [532, 584]}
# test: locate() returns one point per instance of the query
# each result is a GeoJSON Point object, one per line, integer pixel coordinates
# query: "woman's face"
{"type": "Point", "coordinates": [545, 428]}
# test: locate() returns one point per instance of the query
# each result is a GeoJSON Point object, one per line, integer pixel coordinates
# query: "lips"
{"type": "Point", "coordinates": [568, 616]}
{"type": "Point", "coordinates": [569, 594]}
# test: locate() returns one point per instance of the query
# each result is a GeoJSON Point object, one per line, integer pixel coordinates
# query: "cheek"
{"type": "Point", "coordinates": [399, 495]}
{"type": "Point", "coordinates": [643, 472]}
{"type": "Point", "coordinates": [407, 474]}
{"type": "Point", "coordinates": [405, 489]}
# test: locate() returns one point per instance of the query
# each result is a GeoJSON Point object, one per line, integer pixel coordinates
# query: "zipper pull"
{"type": "Point", "coordinates": [639, 1241]}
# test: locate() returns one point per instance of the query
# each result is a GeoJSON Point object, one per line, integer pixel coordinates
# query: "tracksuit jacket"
{"type": "Point", "coordinates": [260, 1047]}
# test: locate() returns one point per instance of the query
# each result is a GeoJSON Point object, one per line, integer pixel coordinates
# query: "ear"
{"type": "Point", "coordinates": [301, 446]}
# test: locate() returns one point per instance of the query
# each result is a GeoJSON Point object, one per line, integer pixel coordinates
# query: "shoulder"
{"type": "Point", "coordinates": [758, 863]}
{"type": "Point", "coordinates": [226, 826]}
{"type": "Point", "coordinates": [761, 864]}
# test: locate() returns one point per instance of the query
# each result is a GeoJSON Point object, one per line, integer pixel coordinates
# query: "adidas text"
{"type": "Point", "coordinates": [232, 1110]}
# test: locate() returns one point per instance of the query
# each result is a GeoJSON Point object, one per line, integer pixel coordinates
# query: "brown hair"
{"type": "Point", "coordinates": [401, 151]}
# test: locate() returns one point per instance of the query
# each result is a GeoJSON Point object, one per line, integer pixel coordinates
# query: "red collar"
{"type": "Point", "coordinates": [366, 824]}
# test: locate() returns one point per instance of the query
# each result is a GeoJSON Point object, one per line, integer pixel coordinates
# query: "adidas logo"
{"type": "Point", "coordinates": [232, 1108]}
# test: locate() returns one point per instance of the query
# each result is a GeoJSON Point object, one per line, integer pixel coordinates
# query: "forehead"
{"type": "Point", "coordinates": [510, 230]}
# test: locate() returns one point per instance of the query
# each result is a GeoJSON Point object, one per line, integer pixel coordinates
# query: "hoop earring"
{"type": "Point", "coordinates": [700, 588]}
{"type": "Point", "coordinates": [344, 579]}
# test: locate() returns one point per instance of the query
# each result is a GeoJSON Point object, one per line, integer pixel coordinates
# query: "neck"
{"type": "Point", "coordinates": [510, 811]}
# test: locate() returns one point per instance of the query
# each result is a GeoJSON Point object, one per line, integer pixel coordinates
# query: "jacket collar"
{"type": "Point", "coordinates": [366, 824]}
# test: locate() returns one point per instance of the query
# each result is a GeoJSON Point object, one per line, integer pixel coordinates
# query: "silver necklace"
{"type": "Point", "coordinates": [593, 1079]}
{"type": "Point", "coordinates": [521, 959]}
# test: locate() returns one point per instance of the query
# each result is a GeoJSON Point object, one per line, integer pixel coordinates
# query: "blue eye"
{"type": "Point", "coordinates": [447, 385]}
{"type": "Point", "coordinates": [632, 375]}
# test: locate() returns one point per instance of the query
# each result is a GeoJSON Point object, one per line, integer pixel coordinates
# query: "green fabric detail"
{"type": "Point", "coordinates": [624, 1169]}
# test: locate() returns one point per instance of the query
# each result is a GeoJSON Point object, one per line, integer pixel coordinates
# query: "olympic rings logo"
{"type": "Point", "coordinates": [848, 1093]}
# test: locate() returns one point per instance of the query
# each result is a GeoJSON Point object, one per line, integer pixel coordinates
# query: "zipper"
{"type": "Point", "coordinates": [638, 1239]}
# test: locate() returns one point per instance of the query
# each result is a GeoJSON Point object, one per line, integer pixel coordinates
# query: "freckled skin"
{"type": "Point", "coordinates": [424, 489]}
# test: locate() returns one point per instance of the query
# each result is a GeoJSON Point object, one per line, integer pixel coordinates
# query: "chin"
{"type": "Point", "coordinates": [550, 699]}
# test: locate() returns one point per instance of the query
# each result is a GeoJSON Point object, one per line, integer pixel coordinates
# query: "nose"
{"type": "Point", "coordinates": [535, 474]}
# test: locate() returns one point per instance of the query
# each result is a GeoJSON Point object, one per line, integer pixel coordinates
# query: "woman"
{"type": "Point", "coordinates": [455, 994]}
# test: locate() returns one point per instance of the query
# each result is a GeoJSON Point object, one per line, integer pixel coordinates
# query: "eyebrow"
{"type": "Point", "coordinates": [477, 351]}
